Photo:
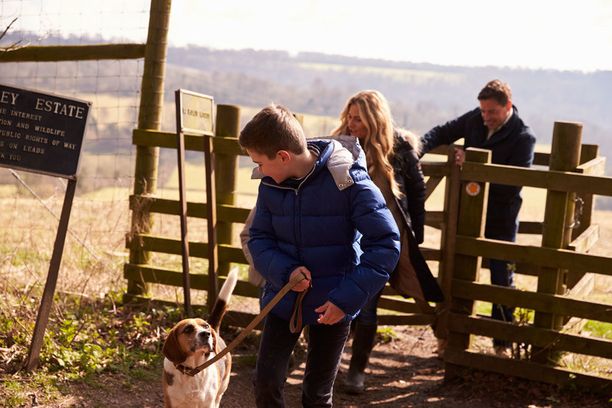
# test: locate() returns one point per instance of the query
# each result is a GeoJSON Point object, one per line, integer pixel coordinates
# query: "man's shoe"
{"type": "Point", "coordinates": [354, 382]}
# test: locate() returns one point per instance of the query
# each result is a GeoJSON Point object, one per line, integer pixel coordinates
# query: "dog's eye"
{"type": "Point", "coordinates": [189, 329]}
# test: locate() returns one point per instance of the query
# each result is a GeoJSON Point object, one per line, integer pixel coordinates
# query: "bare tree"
{"type": "Point", "coordinates": [14, 46]}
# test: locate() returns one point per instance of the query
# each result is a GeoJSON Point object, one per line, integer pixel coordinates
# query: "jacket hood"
{"type": "Point", "coordinates": [339, 153]}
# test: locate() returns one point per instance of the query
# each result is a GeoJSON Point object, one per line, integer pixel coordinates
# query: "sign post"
{"type": "Point", "coordinates": [43, 133]}
{"type": "Point", "coordinates": [194, 116]}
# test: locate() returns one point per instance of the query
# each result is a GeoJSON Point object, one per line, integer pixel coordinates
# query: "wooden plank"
{"type": "Point", "coordinates": [173, 247]}
{"type": "Point", "coordinates": [46, 301]}
{"type": "Point", "coordinates": [434, 219]}
{"type": "Point", "coordinates": [225, 212]}
{"type": "Point", "coordinates": [530, 227]}
{"type": "Point", "coordinates": [580, 286]}
{"type": "Point", "coordinates": [431, 254]}
{"type": "Point", "coordinates": [211, 224]}
{"type": "Point", "coordinates": [543, 338]}
{"type": "Point", "coordinates": [233, 318]}
{"type": "Point", "coordinates": [528, 370]}
{"type": "Point", "coordinates": [585, 241]}
{"type": "Point", "coordinates": [171, 277]}
{"type": "Point", "coordinates": [430, 185]}
{"type": "Point", "coordinates": [557, 304]}
{"type": "Point", "coordinates": [151, 138]}
{"type": "Point", "coordinates": [539, 159]}
{"type": "Point", "coordinates": [550, 257]}
{"type": "Point", "coordinates": [471, 222]}
{"type": "Point", "coordinates": [447, 242]}
{"type": "Point", "coordinates": [594, 167]}
{"type": "Point", "coordinates": [434, 169]}
{"type": "Point", "coordinates": [406, 320]}
{"type": "Point", "coordinates": [522, 268]}
{"type": "Point", "coordinates": [547, 179]}
{"type": "Point", "coordinates": [398, 305]}
{"type": "Point", "coordinates": [584, 287]}
{"type": "Point", "coordinates": [54, 53]}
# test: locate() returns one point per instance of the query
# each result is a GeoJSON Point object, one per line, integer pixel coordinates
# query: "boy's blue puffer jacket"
{"type": "Point", "coordinates": [335, 223]}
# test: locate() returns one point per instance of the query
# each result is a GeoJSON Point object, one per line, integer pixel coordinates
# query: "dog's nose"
{"type": "Point", "coordinates": [203, 335]}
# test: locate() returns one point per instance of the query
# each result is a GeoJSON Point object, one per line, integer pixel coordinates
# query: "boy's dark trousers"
{"type": "Point", "coordinates": [325, 345]}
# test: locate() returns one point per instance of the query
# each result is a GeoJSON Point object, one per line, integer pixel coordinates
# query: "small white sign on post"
{"type": "Point", "coordinates": [196, 114]}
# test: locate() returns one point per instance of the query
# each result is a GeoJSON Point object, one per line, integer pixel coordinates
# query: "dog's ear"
{"type": "Point", "coordinates": [172, 349]}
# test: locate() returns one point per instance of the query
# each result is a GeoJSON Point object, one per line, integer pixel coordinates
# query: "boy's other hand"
{"type": "Point", "coordinates": [303, 285]}
{"type": "Point", "coordinates": [329, 313]}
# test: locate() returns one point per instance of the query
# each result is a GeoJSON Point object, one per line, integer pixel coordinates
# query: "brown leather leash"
{"type": "Point", "coordinates": [294, 324]}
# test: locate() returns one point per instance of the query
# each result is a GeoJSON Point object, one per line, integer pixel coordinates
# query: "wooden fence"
{"type": "Point", "coordinates": [562, 264]}
{"type": "Point", "coordinates": [564, 267]}
{"type": "Point", "coordinates": [226, 149]}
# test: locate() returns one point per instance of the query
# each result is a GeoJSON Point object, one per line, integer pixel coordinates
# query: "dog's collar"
{"type": "Point", "coordinates": [192, 371]}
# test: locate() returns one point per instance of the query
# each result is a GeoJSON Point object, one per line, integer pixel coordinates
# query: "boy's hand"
{"type": "Point", "coordinates": [330, 313]}
{"type": "Point", "coordinates": [303, 285]}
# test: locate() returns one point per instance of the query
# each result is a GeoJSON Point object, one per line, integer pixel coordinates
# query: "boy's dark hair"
{"type": "Point", "coordinates": [496, 90]}
{"type": "Point", "coordinates": [274, 128]}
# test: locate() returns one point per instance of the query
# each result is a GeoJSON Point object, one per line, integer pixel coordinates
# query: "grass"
{"type": "Point", "coordinates": [85, 337]}
{"type": "Point", "coordinates": [90, 332]}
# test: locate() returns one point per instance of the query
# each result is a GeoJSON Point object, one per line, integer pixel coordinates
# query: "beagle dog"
{"type": "Point", "coordinates": [189, 344]}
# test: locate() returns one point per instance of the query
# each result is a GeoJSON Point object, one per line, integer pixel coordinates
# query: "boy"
{"type": "Point", "coordinates": [316, 211]}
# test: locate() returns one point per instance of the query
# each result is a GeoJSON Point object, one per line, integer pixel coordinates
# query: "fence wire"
{"type": "Point", "coordinates": [31, 203]}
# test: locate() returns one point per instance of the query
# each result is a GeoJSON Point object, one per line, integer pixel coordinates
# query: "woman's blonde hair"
{"type": "Point", "coordinates": [376, 116]}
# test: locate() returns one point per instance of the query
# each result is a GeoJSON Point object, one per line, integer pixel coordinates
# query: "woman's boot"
{"type": "Point", "coordinates": [363, 342]}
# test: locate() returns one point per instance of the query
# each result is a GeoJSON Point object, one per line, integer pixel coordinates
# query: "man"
{"type": "Point", "coordinates": [495, 126]}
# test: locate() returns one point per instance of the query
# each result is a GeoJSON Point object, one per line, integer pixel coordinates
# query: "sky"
{"type": "Point", "coordinates": [550, 34]}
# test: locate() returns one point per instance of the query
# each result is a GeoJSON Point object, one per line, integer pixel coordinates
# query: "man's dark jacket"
{"type": "Point", "coordinates": [512, 145]}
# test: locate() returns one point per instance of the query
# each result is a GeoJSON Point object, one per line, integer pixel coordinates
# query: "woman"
{"type": "Point", "coordinates": [393, 164]}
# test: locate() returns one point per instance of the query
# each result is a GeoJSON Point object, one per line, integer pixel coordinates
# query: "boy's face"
{"type": "Point", "coordinates": [277, 168]}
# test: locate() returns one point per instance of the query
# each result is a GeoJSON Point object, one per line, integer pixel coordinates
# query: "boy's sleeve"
{"type": "Point", "coordinates": [272, 263]}
{"type": "Point", "coordinates": [380, 245]}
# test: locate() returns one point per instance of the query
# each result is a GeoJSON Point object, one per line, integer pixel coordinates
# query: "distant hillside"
{"type": "Point", "coordinates": [421, 95]}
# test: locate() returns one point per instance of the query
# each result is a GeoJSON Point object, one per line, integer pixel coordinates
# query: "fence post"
{"type": "Point", "coordinates": [149, 117]}
{"type": "Point", "coordinates": [471, 223]}
{"type": "Point", "coordinates": [558, 219]}
{"type": "Point", "coordinates": [447, 242]}
{"type": "Point", "coordinates": [226, 170]}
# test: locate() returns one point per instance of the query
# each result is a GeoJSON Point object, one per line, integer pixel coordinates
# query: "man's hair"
{"type": "Point", "coordinates": [496, 90]}
{"type": "Point", "coordinates": [272, 129]}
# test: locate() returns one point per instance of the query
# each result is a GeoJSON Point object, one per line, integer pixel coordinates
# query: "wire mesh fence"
{"type": "Point", "coordinates": [31, 203]}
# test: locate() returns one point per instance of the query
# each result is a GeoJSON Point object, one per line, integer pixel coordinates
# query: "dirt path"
{"type": "Point", "coordinates": [404, 372]}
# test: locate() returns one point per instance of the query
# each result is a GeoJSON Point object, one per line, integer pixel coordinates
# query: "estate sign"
{"type": "Point", "coordinates": [40, 132]}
